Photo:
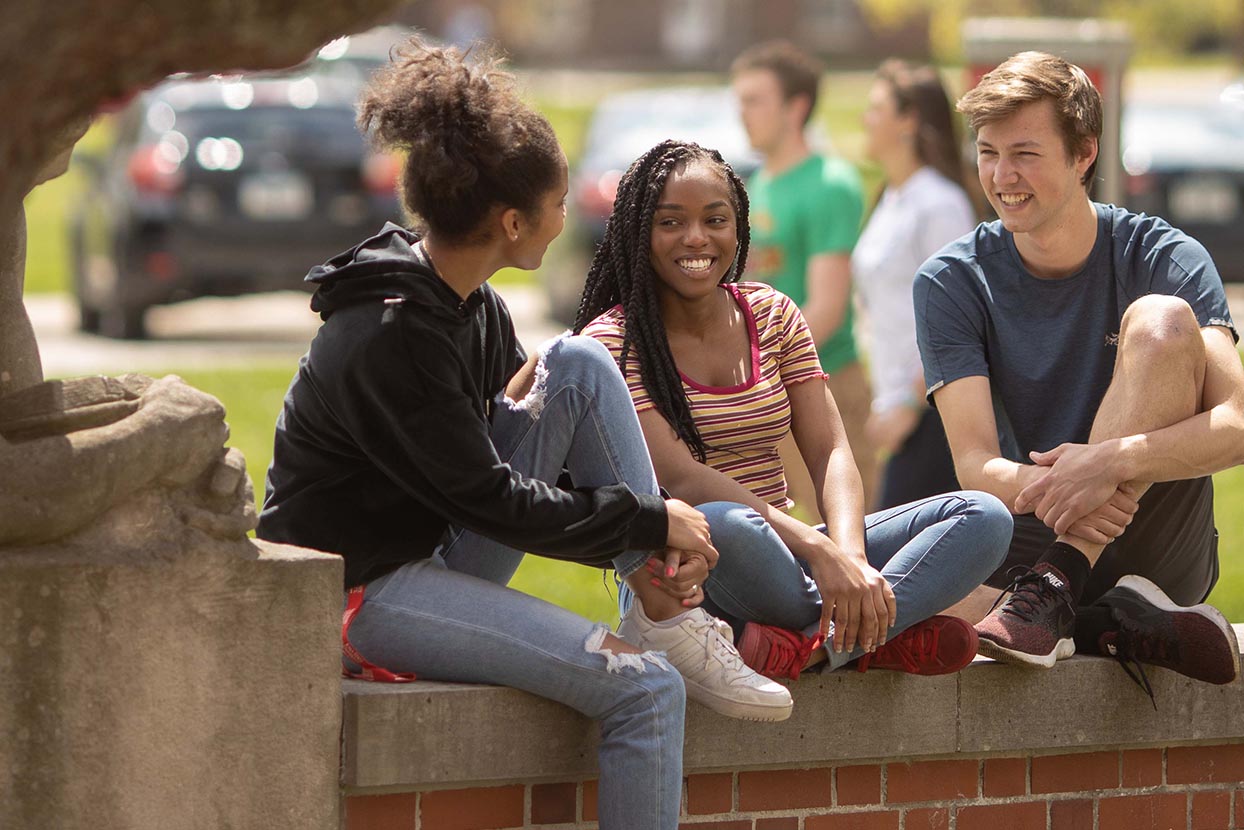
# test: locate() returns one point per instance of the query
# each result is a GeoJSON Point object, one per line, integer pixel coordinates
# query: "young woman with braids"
{"type": "Point", "coordinates": [419, 442]}
{"type": "Point", "coordinates": [719, 371]}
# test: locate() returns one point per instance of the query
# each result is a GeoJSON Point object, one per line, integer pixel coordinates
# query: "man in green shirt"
{"type": "Point", "coordinates": [805, 217]}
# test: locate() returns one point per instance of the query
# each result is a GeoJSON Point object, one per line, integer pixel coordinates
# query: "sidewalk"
{"type": "Point", "coordinates": [241, 332]}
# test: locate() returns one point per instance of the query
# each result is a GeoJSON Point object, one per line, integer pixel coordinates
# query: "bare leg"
{"type": "Point", "coordinates": [657, 604]}
{"type": "Point", "coordinates": [1158, 379]}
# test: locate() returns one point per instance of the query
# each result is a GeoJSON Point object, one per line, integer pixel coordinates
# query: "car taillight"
{"type": "Point", "coordinates": [154, 169]}
{"type": "Point", "coordinates": [596, 195]}
{"type": "Point", "coordinates": [381, 172]}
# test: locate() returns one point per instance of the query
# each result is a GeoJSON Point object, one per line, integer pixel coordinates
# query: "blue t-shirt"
{"type": "Point", "coordinates": [1048, 345]}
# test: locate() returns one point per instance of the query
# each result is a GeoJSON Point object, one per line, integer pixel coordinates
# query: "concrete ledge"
{"type": "Point", "coordinates": [428, 735]}
{"type": "Point", "coordinates": [199, 691]}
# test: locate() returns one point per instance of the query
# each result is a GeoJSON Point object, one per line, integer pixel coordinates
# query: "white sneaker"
{"type": "Point", "coordinates": [700, 646]}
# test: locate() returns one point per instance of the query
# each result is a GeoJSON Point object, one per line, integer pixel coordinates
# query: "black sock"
{"type": "Point", "coordinates": [1092, 621]}
{"type": "Point", "coordinates": [1073, 565]}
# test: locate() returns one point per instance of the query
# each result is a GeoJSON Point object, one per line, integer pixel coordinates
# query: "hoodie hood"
{"type": "Point", "coordinates": [387, 266]}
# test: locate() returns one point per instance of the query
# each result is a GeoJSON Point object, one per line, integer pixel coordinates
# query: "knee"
{"type": "Point", "coordinates": [579, 350]}
{"type": "Point", "coordinates": [993, 523]}
{"type": "Point", "coordinates": [1157, 325]}
{"type": "Point", "coordinates": [734, 528]}
{"type": "Point", "coordinates": [661, 683]}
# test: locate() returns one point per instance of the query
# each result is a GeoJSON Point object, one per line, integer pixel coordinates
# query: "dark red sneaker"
{"type": "Point", "coordinates": [776, 652]}
{"type": "Point", "coordinates": [938, 645]}
{"type": "Point", "coordinates": [1195, 641]}
{"type": "Point", "coordinates": [1036, 625]}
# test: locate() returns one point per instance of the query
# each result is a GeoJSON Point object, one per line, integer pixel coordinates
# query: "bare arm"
{"type": "Point", "coordinates": [967, 413]}
{"type": "Point", "coordinates": [829, 292]}
{"type": "Point", "coordinates": [822, 441]}
{"type": "Point", "coordinates": [966, 408]}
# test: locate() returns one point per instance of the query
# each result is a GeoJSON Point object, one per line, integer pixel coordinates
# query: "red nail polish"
{"type": "Point", "coordinates": [669, 571]}
{"type": "Point", "coordinates": [656, 582]}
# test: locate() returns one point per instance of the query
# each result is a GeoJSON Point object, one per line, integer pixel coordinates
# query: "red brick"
{"type": "Point", "coordinates": [710, 793]}
{"type": "Point", "coordinates": [1159, 811]}
{"type": "Point", "coordinates": [1205, 764]}
{"type": "Point", "coordinates": [1142, 767]}
{"type": "Point", "coordinates": [927, 819]}
{"type": "Point", "coordinates": [1021, 815]}
{"type": "Point", "coordinates": [745, 824]}
{"type": "Point", "coordinates": [1239, 808]}
{"type": "Point", "coordinates": [1071, 815]}
{"type": "Point", "coordinates": [553, 803]}
{"type": "Point", "coordinates": [1005, 777]}
{"type": "Point", "coordinates": [1211, 810]}
{"type": "Point", "coordinates": [381, 812]}
{"type": "Point", "coordinates": [590, 790]}
{"type": "Point", "coordinates": [931, 781]}
{"type": "Point", "coordinates": [1082, 772]}
{"type": "Point", "coordinates": [788, 823]}
{"type": "Point", "coordinates": [481, 808]}
{"type": "Point", "coordinates": [854, 821]}
{"type": "Point", "coordinates": [859, 785]}
{"type": "Point", "coordinates": [783, 789]}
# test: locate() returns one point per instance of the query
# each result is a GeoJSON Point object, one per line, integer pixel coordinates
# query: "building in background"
{"type": "Point", "coordinates": [666, 34]}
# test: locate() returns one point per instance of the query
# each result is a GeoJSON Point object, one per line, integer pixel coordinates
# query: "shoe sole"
{"type": "Point", "coordinates": [1155, 596]}
{"type": "Point", "coordinates": [763, 712]}
{"type": "Point", "coordinates": [1062, 650]}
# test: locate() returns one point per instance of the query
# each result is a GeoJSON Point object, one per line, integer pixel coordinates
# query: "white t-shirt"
{"type": "Point", "coordinates": [910, 224]}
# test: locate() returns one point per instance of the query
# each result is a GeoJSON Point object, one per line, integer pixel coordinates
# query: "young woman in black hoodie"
{"type": "Point", "coordinates": [419, 442]}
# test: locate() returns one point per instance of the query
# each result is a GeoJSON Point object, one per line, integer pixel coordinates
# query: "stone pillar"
{"type": "Point", "coordinates": [198, 690]}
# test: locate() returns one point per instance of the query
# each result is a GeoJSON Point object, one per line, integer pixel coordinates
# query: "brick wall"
{"type": "Point", "coordinates": [1189, 788]}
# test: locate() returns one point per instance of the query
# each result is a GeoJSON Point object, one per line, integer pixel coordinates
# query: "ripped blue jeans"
{"type": "Point", "coordinates": [452, 618]}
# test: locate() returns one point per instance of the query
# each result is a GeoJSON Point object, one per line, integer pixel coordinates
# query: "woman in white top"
{"type": "Point", "coordinates": [911, 134]}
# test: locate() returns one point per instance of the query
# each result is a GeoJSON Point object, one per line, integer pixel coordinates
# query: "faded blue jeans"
{"type": "Point", "coordinates": [933, 552]}
{"type": "Point", "coordinates": [452, 618]}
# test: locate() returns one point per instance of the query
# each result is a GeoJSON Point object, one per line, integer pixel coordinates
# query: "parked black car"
{"type": "Point", "coordinates": [221, 187]}
{"type": "Point", "coordinates": [1185, 163]}
{"type": "Point", "coordinates": [624, 126]}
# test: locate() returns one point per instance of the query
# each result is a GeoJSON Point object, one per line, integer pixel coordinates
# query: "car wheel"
{"type": "Point", "coordinates": [123, 323]}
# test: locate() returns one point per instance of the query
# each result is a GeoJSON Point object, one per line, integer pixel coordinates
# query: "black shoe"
{"type": "Point", "coordinates": [1036, 624]}
{"type": "Point", "coordinates": [1197, 641]}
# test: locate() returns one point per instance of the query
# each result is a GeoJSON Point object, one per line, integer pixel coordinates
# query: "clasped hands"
{"type": "Point", "coordinates": [1079, 493]}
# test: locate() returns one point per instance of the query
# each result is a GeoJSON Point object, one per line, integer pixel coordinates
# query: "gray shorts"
{"type": "Point", "coordinates": [1171, 541]}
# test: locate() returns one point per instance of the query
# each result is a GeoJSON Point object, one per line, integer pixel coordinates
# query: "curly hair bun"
{"type": "Point", "coordinates": [470, 141]}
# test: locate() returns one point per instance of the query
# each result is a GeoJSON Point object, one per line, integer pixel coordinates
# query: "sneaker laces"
{"type": "Point", "coordinates": [1030, 595]}
{"type": "Point", "coordinates": [718, 640]}
{"type": "Point", "coordinates": [1131, 646]}
{"type": "Point", "coordinates": [909, 648]}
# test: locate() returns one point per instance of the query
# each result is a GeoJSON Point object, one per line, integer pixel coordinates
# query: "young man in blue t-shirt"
{"type": "Point", "coordinates": [1083, 361]}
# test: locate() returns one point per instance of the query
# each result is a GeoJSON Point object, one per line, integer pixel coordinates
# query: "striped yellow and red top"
{"type": "Point", "coordinates": [741, 425]}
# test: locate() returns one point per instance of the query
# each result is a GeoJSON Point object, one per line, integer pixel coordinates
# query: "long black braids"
{"type": "Point", "coordinates": [621, 272]}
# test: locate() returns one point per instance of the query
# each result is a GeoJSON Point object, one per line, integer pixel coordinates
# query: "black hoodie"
{"type": "Point", "coordinates": [384, 442]}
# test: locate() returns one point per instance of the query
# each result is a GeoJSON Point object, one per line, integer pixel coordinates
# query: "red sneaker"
{"type": "Point", "coordinates": [938, 645]}
{"type": "Point", "coordinates": [776, 652]}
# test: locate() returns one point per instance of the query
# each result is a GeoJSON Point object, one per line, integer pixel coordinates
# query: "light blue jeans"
{"type": "Point", "coordinates": [451, 618]}
{"type": "Point", "coordinates": [933, 552]}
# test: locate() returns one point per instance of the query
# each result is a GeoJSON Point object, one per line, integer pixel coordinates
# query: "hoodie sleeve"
{"type": "Point", "coordinates": [403, 401]}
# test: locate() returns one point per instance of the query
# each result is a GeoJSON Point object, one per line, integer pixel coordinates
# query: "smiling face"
{"type": "Point", "coordinates": [694, 231]}
{"type": "Point", "coordinates": [1030, 179]}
